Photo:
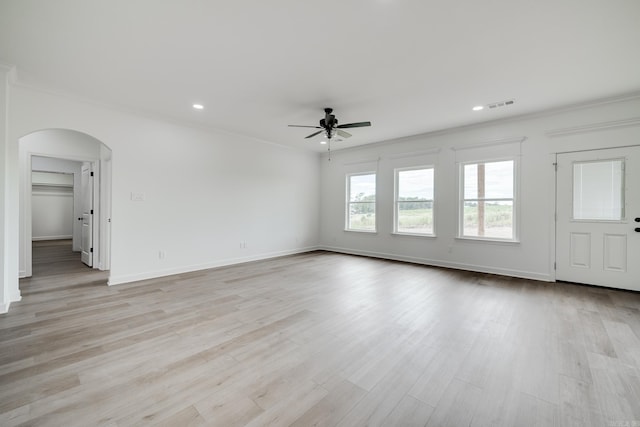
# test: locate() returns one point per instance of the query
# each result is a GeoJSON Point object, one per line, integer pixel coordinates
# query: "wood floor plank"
{"type": "Point", "coordinates": [384, 397]}
{"type": "Point", "coordinates": [616, 384]}
{"type": "Point", "coordinates": [315, 339]}
{"type": "Point", "coordinates": [578, 404]}
{"type": "Point", "coordinates": [333, 407]}
{"type": "Point", "coordinates": [457, 405]}
{"type": "Point", "coordinates": [291, 406]}
{"type": "Point", "coordinates": [625, 343]}
{"type": "Point", "coordinates": [188, 417]}
{"type": "Point", "coordinates": [595, 336]}
{"type": "Point", "coordinates": [410, 412]}
{"type": "Point", "coordinates": [444, 363]}
{"type": "Point", "coordinates": [529, 411]}
{"type": "Point", "coordinates": [227, 412]}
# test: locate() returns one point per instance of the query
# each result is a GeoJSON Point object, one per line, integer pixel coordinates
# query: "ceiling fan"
{"type": "Point", "coordinates": [329, 125]}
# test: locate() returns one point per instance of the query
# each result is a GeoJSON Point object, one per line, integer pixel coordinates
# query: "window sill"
{"type": "Point", "coordinates": [428, 236]}
{"type": "Point", "coordinates": [488, 240]}
{"type": "Point", "coordinates": [361, 231]}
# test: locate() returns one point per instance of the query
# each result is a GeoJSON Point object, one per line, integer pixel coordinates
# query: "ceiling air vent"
{"type": "Point", "coordinates": [501, 104]}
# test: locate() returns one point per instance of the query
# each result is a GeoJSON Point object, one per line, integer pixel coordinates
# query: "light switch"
{"type": "Point", "coordinates": [137, 197]}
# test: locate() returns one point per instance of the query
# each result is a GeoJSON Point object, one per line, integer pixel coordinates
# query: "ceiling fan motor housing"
{"type": "Point", "coordinates": [329, 121]}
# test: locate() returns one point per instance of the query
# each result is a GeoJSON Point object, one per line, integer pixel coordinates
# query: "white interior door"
{"type": "Point", "coordinates": [598, 217]}
{"type": "Point", "coordinates": [86, 235]}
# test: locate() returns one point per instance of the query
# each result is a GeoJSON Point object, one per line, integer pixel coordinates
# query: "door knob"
{"type": "Point", "coordinates": [637, 229]}
{"type": "Point", "coordinates": [637, 220]}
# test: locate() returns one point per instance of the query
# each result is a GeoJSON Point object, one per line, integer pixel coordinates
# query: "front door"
{"type": "Point", "coordinates": [86, 235]}
{"type": "Point", "coordinates": [598, 217]}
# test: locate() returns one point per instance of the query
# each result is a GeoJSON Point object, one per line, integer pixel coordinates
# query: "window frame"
{"type": "Point", "coordinates": [396, 202]}
{"type": "Point", "coordinates": [515, 200]}
{"type": "Point", "coordinates": [348, 202]}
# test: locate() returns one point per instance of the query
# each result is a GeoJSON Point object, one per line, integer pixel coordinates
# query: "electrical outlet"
{"type": "Point", "coordinates": [162, 254]}
{"type": "Point", "coordinates": [137, 197]}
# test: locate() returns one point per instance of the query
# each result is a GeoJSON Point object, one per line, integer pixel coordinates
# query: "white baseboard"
{"type": "Point", "coordinates": [118, 280]}
{"type": "Point", "coordinates": [4, 306]}
{"type": "Point", "coordinates": [447, 264]}
{"type": "Point", "coordinates": [34, 238]}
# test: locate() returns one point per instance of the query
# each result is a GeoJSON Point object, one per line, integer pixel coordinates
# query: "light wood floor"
{"type": "Point", "coordinates": [316, 339]}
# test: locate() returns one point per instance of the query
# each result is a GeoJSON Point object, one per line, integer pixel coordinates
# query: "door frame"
{"type": "Point", "coordinates": [554, 241]}
{"type": "Point", "coordinates": [100, 259]}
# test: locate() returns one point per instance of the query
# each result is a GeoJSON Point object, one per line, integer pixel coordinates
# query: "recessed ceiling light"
{"type": "Point", "coordinates": [198, 106]}
{"type": "Point", "coordinates": [478, 108]}
{"type": "Point", "coordinates": [323, 142]}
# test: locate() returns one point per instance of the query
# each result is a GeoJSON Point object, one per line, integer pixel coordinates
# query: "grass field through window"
{"type": "Point", "coordinates": [498, 220]}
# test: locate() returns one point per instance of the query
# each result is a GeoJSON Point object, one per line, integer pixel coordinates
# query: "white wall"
{"type": "Point", "coordinates": [204, 191]}
{"type": "Point", "coordinates": [606, 124]}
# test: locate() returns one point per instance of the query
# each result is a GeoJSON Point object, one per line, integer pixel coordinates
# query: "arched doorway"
{"type": "Point", "coordinates": [46, 147]}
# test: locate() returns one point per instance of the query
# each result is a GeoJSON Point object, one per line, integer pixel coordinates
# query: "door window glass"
{"type": "Point", "coordinates": [598, 190]}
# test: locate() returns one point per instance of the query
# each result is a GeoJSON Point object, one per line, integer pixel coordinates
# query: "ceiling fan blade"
{"type": "Point", "coordinates": [303, 126]}
{"type": "Point", "coordinates": [354, 125]}
{"type": "Point", "coordinates": [313, 134]}
{"type": "Point", "coordinates": [343, 133]}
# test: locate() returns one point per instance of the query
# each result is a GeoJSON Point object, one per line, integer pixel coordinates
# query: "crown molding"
{"type": "Point", "coordinates": [415, 153]}
{"type": "Point", "coordinates": [504, 141]}
{"type": "Point", "coordinates": [593, 127]}
{"type": "Point", "coordinates": [361, 162]}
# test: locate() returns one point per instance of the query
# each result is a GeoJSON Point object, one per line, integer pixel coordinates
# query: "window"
{"type": "Point", "coordinates": [414, 201]}
{"type": "Point", "coordinates": [598, 190]}
{"type": "Point", "coordinates": [488, 200]}
{"type": "Point", "coordinates": [361, 202]}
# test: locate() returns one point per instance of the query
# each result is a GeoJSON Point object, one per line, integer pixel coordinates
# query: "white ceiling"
{"type": "Point", "coordinates": [408, 66]}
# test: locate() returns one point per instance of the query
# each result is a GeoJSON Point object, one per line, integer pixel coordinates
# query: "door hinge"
{"type": "Point", "coordinates": [554, 265]}
{"type": "Point", "coordinates": [91, 173]}
{"type": "Point", "coordinates": [555, 166]}
{"type": "Point", "coordinates": [91, 211]}
{"type": "Point", "coordinates": [91, 250]}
